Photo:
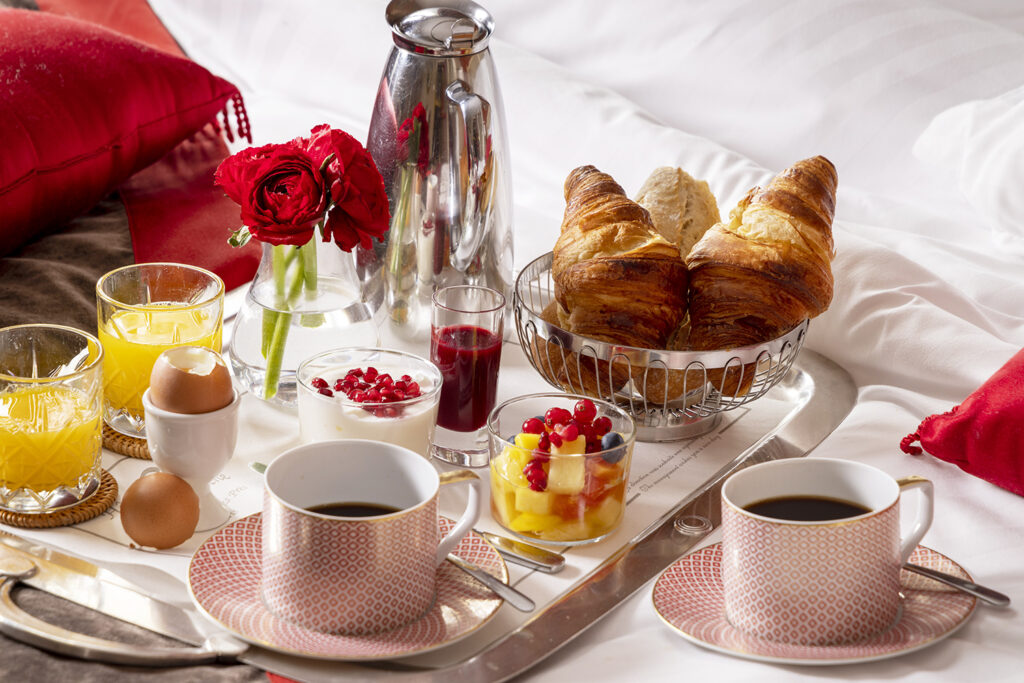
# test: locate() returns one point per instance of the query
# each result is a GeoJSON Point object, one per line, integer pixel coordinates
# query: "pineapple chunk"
{"type": "Point", "coordinates": [577, 447]}
{"type": "Point", "coordinates": [532, 523]}
{"type": "Point", "coordinates": [567, 474]}
{"type": "Point", "coordinates": [605, 516]}
{"type": "Point", "coordinates": [527, 441]}
{"type": "Point", "coordinates": [503, 497]}
{"type": "Point", "coordinates": [533, 502]}
{"type": "Point", "coordinates": [509, 465]}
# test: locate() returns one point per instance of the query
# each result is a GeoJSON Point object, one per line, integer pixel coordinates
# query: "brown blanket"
{"type": "Point", "coordinates": [53, 279]}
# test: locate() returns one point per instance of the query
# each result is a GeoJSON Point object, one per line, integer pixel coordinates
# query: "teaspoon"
{"type": "Point", "coordinates": [983, 593]}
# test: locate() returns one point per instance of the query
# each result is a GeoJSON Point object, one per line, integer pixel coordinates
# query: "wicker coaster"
{"type": "Point", "coordinates": [114, 440]}
{"type": "Point", "coordinates": [93, 506]}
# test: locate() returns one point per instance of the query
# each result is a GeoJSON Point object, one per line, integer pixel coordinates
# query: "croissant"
{"type": "Point", "coordinates": [616, 278]}
{"type": "Point", "coordinates": [769, 267]}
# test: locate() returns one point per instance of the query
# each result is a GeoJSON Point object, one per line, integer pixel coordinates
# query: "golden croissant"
{"type": "Point", "coordinates": [768, 268]}
{"type": "Point", "coordinates": [616, 278]}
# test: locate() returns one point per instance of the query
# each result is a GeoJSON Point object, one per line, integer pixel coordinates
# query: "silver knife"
{"type": "Point", "coordinates": [824, 393]}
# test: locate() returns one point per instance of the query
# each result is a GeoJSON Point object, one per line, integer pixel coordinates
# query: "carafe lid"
{"type": "Point", "coordinates": [442, 28]}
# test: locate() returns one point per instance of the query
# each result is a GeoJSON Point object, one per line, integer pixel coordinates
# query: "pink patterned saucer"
{"type": "Point", "coordinates": [224, 580]}
{"type": "Point", "coordinates": [688, 597]}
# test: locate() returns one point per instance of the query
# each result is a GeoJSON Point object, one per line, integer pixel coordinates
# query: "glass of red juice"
{"type": "Point", "coordinates": [467, 324]}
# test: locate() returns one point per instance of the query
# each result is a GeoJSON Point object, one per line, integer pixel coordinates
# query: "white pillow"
{"type": "Point", "coordinates": [982, 144]}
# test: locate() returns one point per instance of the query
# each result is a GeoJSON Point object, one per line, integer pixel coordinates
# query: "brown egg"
{"type": "Point", "coordinates": [190, 380]}
{"type": "Point", "coordinates": [160, 510]}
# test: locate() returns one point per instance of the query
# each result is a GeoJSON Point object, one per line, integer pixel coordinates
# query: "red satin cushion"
{"type": "Point", "coordinates": [984, 435]}
{"type": "Point", "coordinates": [81, 109]}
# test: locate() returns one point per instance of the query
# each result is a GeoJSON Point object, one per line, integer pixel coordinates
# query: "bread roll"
{"type": "Point", "coordinates": [681, 206]}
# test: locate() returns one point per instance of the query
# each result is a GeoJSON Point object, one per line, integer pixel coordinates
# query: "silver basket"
{"type": "Point", "coordinates": [671, 394]}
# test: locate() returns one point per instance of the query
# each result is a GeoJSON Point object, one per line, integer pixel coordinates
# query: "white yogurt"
{"type": "Point", "coordinates": [324, 418]}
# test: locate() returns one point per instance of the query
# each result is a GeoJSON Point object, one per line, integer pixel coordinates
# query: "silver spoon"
{"type": "Point", "coordinates": [983, 593]}
{"type": "Point", "coordinates": [504, 591]}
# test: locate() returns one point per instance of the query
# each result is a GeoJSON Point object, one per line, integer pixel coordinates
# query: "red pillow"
{"type": "Point", "coordinates": [81, 109]}
{"type": "Point", "coordinates": [984, 435]}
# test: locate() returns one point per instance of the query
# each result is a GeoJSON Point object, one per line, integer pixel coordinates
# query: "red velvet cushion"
{"type": "Point", "coordinates": [81, 109]}
{"type": "Point", "coordinates": [984, 435]}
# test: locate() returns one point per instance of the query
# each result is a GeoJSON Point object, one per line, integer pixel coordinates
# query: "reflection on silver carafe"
{"type": "Point", "coordinates": [438, 138]}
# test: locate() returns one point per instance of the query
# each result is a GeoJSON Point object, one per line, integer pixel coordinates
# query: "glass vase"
{"type": "Point", "coordinates": [304, 300]}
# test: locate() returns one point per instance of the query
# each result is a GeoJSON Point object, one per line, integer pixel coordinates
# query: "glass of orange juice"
{"type": "Point", "coordinates": [51, 403]}
{"type": "Point", "coordinates": [145, 309]}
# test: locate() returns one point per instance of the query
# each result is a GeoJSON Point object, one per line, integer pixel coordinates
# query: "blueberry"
{"type": "Point", "coordinates": [512, 439]}
{"type": "Point", "coordinates": [613, 443]}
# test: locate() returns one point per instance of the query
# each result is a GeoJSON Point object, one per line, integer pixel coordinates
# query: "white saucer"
{"type": "Point", "coordinates": [688, 597]}
{"type": "Point", "coordinates": [224, 580]}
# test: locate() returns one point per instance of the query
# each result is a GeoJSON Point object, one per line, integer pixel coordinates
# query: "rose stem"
{"type": "Point", "coordinates": [279, 320]}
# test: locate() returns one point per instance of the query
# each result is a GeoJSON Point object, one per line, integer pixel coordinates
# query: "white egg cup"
{"type": "Point", "coordinates": [195, 448]}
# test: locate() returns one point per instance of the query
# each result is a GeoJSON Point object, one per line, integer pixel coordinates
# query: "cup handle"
{"type": "Point", "coordinates": [469, 516]}
{"type": "Point", "coordinates": [925, 506]}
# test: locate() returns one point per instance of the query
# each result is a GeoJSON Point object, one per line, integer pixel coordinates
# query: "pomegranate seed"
{"type": "Point", "coordinates": [603, 425]}
{"type": "Point", "coordinates": [318, 383]}
{"type": "Point", "coordinates": [370, 374]}
{"type": "Point", "coordinates": [569, 432]}
{"type": "Point", "coordinates": [533, 426]}
{"type": "Point", "coordinates": [385, 379]}
{"type": "Point", "coordinates": [412, 389]}
{"type": "Point", "coordinates": [325, 391]}
{"type": "Point", "coordinates": [355, 372]}
{"type": "Point", "coordinates": [373, 396]}
{"type": "Point", "coordinates": [339, 386]}
{"type": "Point", "coordinates": [398, 394]}
{"type": "Point", "coordinates": [556, 439]}
{"type": "Point", "coordinates": [406, 378]}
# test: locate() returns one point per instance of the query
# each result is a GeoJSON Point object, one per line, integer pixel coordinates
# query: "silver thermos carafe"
{"type": "Point", "coordinates": [438, 137]}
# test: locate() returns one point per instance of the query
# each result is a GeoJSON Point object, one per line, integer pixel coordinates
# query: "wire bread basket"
{"type": "Point", "coordinates": [671, 394]}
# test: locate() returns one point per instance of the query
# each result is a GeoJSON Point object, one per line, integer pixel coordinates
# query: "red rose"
{"type": "Point", "coordinates": [279, 188]}
{"type": "Point", "coordinates": [360, 211]}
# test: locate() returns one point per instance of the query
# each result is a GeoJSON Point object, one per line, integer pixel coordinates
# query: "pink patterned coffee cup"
{"type": "Point", "coordinates": [818, 581]}
{"type": "Point", "coordinates": [328, 567]}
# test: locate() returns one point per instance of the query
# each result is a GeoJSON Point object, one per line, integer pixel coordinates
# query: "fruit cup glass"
{"type": "Point", "coordinates": [560, 484]}
{"type": "Point", "coordinates": [337, 403]}
{"type": "Point", "coordinates": [143, 310]}
{"type": "Point", "coordinates": [51, 405]}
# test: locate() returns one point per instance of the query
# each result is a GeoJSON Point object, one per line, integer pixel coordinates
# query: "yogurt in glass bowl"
{"type": "Point", "coordinates": [366, 393]}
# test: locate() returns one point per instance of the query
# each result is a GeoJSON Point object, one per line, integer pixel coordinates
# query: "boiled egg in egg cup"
{"type": "Point", "coordinates": [191, 413]}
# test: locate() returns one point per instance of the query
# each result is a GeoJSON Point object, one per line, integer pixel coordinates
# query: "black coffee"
{"type": "Point", "coordinates": [806, 508]}
{"type": "Point", "coordinates": [353, 509]}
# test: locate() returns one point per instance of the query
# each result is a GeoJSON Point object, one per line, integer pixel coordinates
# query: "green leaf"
{"type": "Point", "coordinates": [240, 237]}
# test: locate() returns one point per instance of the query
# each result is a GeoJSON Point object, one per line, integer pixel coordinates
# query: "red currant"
{"type": "Point", "coordinates": [533, 426]}
{"type": "Point", "coordinates": [585, 411]}
{"type": "Point", "coordinates": [555, 416]}
{"type": "Point", "coordinates": [603, 425]}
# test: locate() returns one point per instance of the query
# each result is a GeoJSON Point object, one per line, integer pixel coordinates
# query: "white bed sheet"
{"type": "Point", "coordinates": [927, 303]}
